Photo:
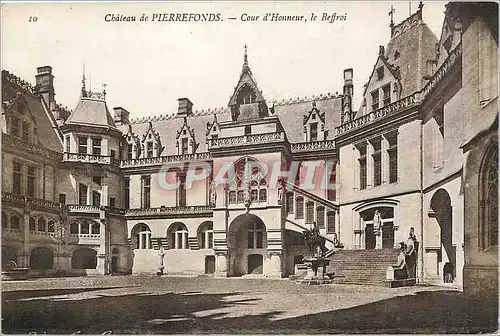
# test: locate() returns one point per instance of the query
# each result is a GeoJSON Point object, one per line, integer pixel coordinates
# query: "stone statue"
{"type": "Point", "coordinates": [281, 190]}
{"type": "Point", "coordinates": [377, 220]}
{"type": "Point", "coordinates": [213, 195]}
{"type": "Point", "coordinates": [161, 254]}
{"type": "Point", "coordinates": [315, 242]}
{"type": "Point", "coordinates": [411, 254]}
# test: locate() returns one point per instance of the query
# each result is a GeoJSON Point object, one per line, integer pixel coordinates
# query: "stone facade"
{"type": "Point", "coordinates": [409, 157]}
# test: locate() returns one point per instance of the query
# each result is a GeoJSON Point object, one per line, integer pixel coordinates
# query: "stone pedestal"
{"type": "Point", "coordinates": [221, 264]}
{"type": "Point", "coordinates": [274, 265]}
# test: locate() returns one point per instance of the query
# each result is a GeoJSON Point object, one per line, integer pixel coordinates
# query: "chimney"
{"type": "Point", "coordinates": [45, 84]}
{"type": "Point", "coordinates": [60, 113]}
{"type": "Point", "coordinates": [381, 50]}
{"type": "Point", "coordinates": [121, 116]}
{"type": "Point", "coordinates": [348, 85]}
{"type": "Point", "coordinates": [185, 107]}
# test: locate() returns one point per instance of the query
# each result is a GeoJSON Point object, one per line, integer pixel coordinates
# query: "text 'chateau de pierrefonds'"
{"type": "Point", "coordinates": [80, 191]}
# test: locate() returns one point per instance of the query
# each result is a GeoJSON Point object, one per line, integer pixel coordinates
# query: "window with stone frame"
{"type": "Point", "coordinates": [375, 100]}
{"type": "Point", "coordinates": [32, 224]}
{"type": "Point", "coordinates": [42, 225]}
{"type": "Point", "coordinates": [256, 235]}
{"type": "Point", "coordinates": [309, 212]}
{"type": "Point", "coordinates": [232, 197]}
{"type": "Point", "coordinates": [184, 145]}
{"type": "Point", "coordinates": [179, 237]}
{"type": "Point", "coordinates": [386, 94]}
{"type": "Point", "coordinates": [15, 126]}
{"type": "Point", "coordinates": [320, 217]}
{"type": "Point", "coordinates": [313, 131]}
{"type": "Point", "coordinates": [130, 147]}
{"type": "Point", "coordinates": [15, 222]}
{"type": "Point", "coordinates": [380, 72]}
{"type": "Point", "coordinates": [96, 198]}
{"type": "Point", "coordinates": [51, 226]}
{"type": "Point", "coordinates": [377, 161]}
{"type": "Point", "coordinates": [26, 130]}
{"type": "Point", "coordinates": [96, 146]}
{"type": "Point", "coordinates": [126, 194]}
{"type": "Point", "coordinates": [82, 145]}
{"type": "Point", "coordinates": [330, 222]}
{"type": "Point", "coordinates": [299, 207]}
{"type": "Point", "coordinates": [67, 140]}
{"type": "Point", "coordinates": [31, 182]}
{"type": "Point", "coordinates": [181, 190]}
{"type": "Point", "coordinates": [392, 153]}
{"type": "Point", "coordinates": [17, 177]}
{"type": "Point", "coordinates": [438, 133]}
{"type": "Point", "coordinates": [146, 191]}
{"type": "Point", "coordinates": [289, 202]}
{"type": "Point", "coordinates": [149, 149]}
{"type": "Point", "coordinates": [488, 199]}
{"type": "Point", "coordinates": [362, 166]}
{"type": "Point", "coordinates": [206, 236]}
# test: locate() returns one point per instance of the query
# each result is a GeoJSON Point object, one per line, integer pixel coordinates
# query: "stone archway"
{"type": "Point", "coordinates": [84, 258]}
{"type": "Point", "coordinates": [441, 226]}
{"type": "Point", "coordinates": [41, 258]}
{"type": "Point", "coordinates": [247, 238]}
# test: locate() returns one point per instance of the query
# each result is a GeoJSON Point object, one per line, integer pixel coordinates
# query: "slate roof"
{"type": "Point", "coordinates": [91, 111]}
{"type": "Point", "coordinates": [46, 126]}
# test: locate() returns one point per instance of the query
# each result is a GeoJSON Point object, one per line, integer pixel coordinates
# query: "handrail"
{"type": "Point", "coordinates": [166, 159]}
{"type": "Point", "coordinates": [311, 196]}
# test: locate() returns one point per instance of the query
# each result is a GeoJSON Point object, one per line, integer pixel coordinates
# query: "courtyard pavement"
{"type": "Point", "coordinates": [180, 305]}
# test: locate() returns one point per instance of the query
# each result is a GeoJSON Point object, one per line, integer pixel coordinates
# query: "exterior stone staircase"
{"type": "Point", "coordinates": [364, 267]}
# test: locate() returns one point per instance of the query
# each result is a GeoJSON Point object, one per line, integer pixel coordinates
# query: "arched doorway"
{"type": "Point", "coordinates": [246, 236]}
{"type": "Point", "coordinates": [441, 210]}
{"type": "Point", "coordinates": [41, 258]}
{"type": "Point", "coordinates": [84, 258]}
{"type": "Point", "coordinates": [378, 227]}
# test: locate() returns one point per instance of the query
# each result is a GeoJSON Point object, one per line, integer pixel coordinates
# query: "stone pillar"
{"type": "Point", "coordinates": [378, 239]}
{"type": "Point", "coordinates": [337, 224]}
{"type": "Point", "coordinates": [431, 264]}
{"type": "Point", "coordinates": [101, 263]}
{"type": "Point", "coordinates": [89, 145]}
{"type": "Point", "coordinates": [24, 257]}
{"type": "Point", "coordinates": [274, 265]}
{"type": "Point", "coordinates": [221, 262]}
{"type": "Point", "coordinates": [369, 165]}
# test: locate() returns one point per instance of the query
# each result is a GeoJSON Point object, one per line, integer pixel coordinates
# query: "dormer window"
{"type": "Point", "coordinates": [82, 145]}
{"type": "Point", "coordinates": [246, 96]}
{"type": "Point", "coordinates": [184, 147]}
{"type": "Point", "coordinates": [149, 149]}
{"type": "Point", "coordinates": [129, 151]}
{"type": "Point", "coordinates": [248, 130]}
{"type": "Point", "coordinates": [313, 117]}
{"type": "Point", "coordinates": [184, 132]}
{"type": "Point", "coordinates": [375, 101]}
{"type": "Point", "coordinates": [314, 132]}
{"type": "Point", "coordinates": [380, 73]}
{"type": "Point", "coordinates": [387, 94]}
{"type": "Point", "coordinates": [26, 130]}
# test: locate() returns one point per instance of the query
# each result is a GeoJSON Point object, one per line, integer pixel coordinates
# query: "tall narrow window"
{"type": "Point", "coordinates": [289, 202]}
{"type": "Point", "coordinates": [438, 138]}
{"type": "Point", "coordinates": [299, 205]}
{"type": "Point", "coordinates": [15, 126]}
{"type": "Point", "coordinates": [17, 177]}
{"type": "Point", "coordinates": [488, 201]}
{"type": "Point", "coordinates": [126, 201]}
{"type": "Point", "coordinates": [82, 145]}
{"type": "Point", "coordinates": [149, 149]}
{"type": "Point", "coordinates": [309, 212]}
{"type": "Point", "coordinates": [181, 191]}
{"type": "Point", "coordinates": [30, 182]}
{"type": "Point", "coordinates": [314, 132]}
{"type": "Point", "coordinates": [330, 222]}
{"type": "Point", "coordinates": [96, 198]}
{"type": "Point", "coordinates": [68, 144]}
{"type": "Point", "coordinates": [248, 130]}
{"type": "Point", "coordinates": [15, 222]}
{"type": "Point", "coordinates": [377, 162]}
{"type": "Point", "coordinates": [362, 167]}
{"type": "Point", "coordinates": [386, 90]}
{"type": "Point", "coordinates": [26, 130]}
{"type": "Point", "coordinates": [82, 194]}
{"type": "Point", "coordinates": [146, 192]}
{"type": "Point", "coordinates": [320, 217]}
{"type": "Point", "coordinates": [392, 152]}
{"type": "Point", "coordinates": [184, 145]}
{"type": "Point", "coordinates": [96, 146]}
{"type": "Point", "coordinates": [256, 235]}
{"type": "Point", "coordinates": [41, 224]}
{"type": "Point", "coordinates": [62, 198]}
{"type": "Point", "coordinates": [375, 101]}
{"type": "Point", "coordinates": [129, 151]}
{"type": "Point", "coordinates": [331, 192]}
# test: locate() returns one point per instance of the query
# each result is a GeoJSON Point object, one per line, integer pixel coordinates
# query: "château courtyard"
{"type": "Point", "coordinates": [180, 305]}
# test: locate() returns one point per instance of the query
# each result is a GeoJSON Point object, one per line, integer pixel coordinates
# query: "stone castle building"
{"type": "Point", "coordinates": [83, 190]}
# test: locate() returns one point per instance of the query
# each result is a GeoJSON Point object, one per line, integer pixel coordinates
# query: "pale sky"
{"type": "Point", "coordinates": [147, 66]}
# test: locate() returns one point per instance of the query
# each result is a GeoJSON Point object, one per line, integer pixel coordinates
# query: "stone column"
{"type": "Point", "coordinates": [384, 156]}
{"type": "Point", "coordinates": [101, 263]}
{"type": "Point", "coordinates": [369, 165]}
{"type": "Point", "coordinates": [337, 224]}
{"type": "Point", "coordinates": [378, 239]}
{"type": "Point", "coordinates": [274, 265]}
{"type": "Point", "coordinates": [23, 259]}
{"type": "Point", "coordinates": [221, 260]}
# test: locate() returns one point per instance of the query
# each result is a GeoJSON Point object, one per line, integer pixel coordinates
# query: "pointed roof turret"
{"type": "Point", "coordinates": [246, 67]}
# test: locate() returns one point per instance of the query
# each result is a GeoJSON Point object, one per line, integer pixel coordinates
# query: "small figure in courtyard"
{"type": "Point", "coordinates": [161, 254]}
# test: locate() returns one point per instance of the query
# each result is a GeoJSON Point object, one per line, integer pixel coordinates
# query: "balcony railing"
{"type": "Point", "coordinates": [85, 238]}
{"type": "Point", "coordinates": [251, 139]}
{"type": "Point", "coordinates": [170, 211]}
{"type": "Point", "coordinates": [165, 159]}
{"type": "Point", "coordinates": [312, 146]}
{"type": "Point", "coordinates": [90, 158]}
{"type": "Point", "coordinates": [31, 201]}
{"type": "Point", "coordinates": [84, 208]}
{"type": "Point", "coordinates": [10, 140]}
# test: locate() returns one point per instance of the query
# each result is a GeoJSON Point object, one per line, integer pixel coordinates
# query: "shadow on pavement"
{"type": "Point", "coordinates": [438, 311]}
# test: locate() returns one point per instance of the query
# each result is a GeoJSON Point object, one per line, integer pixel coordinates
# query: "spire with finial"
{"type": "Point", "coordinates": [83, 78]}
{"type": "Point", "coordinates": [391, 14]}
{"type": "Point", "coordinates": [246, 67]}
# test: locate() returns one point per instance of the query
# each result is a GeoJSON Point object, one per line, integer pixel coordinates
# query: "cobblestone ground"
{"type": "Point", "coordinates": [145, 305]}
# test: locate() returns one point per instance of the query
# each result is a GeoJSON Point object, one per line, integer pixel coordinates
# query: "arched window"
{"type": "Point", "coordinates": [178, 236]}
{"type": "Point", "coordinates": [248, 173]}
{"type": "Point", "coordinates": [32, 224]}
{"type": "Point", "coordinates": [256, 232]}
{"type": "Point", "coordinates": [299, 204]}
{"type": "Point", "coordinates": [289, 202]}
{"type": "Point", "coordinates": [309, 212]}
{"type": "Point", "coordinates": [51, 227]}
{"type": "Point", "coordinates": [330, 222]}
{"type": "Point", "coordinates": [41, 224]}
{"type": "Point", "coordinates": [141, 237]}
{"type": "Point", "coordinates": [232, 197]}
{"type": "Point", "coordinates": [206, 236]}
{"type": "Point", "coordinates": [488, 194]}
{"type": "Point", "coordinates": [246, 95]}
{"type": "Point", "coordinates": [73, 228]}
{"type": "Point", "coordinates": [320, 217]}
{"type": "Point", "coordinates": [96, 228]}
{"type": "Point", "coordinates": [15, 222]}
{"type": "Point", "coordinates": [263, 195]}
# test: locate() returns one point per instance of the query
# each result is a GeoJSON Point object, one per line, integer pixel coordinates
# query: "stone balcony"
{"type": "Point", "coordinates": [30, 147]}
{"type": "Point", "coordinates": [77, 208]}
{"type": "Point", "coordinates": [89, 158]}
{"type": "Point", "coordinates": [165, 159]}
{"type": "Point", "coordinates": [31, 202]}
{"type": "Point", "coordinates": [170, 212]}
{"type": "Point", "coordinates": [244, 140]}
